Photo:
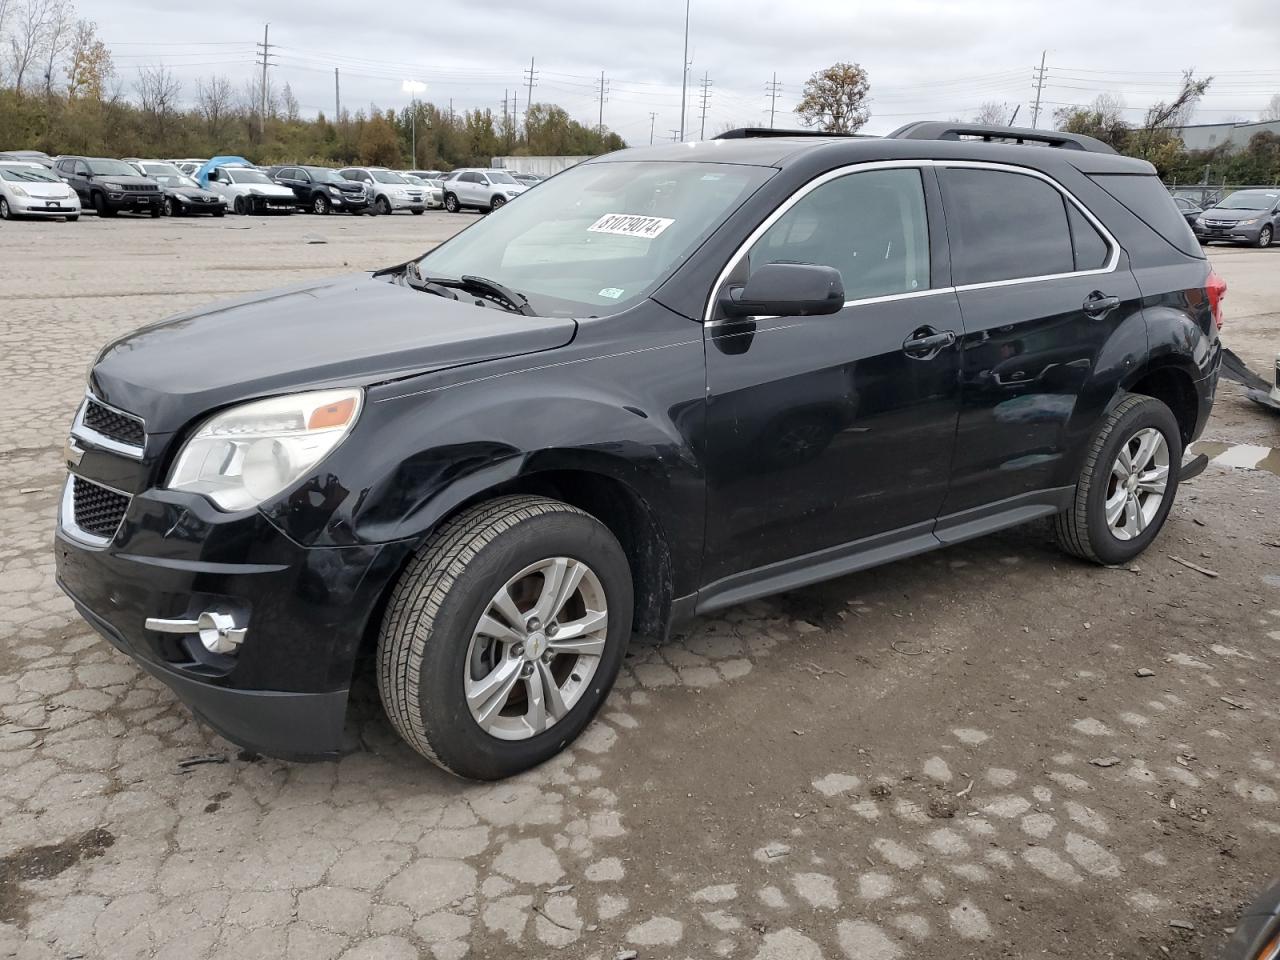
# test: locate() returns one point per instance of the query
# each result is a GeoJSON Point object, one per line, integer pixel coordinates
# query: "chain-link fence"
{"type": "Point", "coordinates": [1207, 194]}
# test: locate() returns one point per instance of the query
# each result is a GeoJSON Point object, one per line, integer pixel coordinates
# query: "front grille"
{"type": "Point", "coordinates": [97, 510]}
{"type": "Point", "coordinates": [141, 187]}
{"type": "Point", "coordinates": [1220, 223]}
{"type": "Point", "coordinates": [112, 424]}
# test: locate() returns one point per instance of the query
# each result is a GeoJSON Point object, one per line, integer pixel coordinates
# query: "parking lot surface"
{"type": "Point", "coordinates": [988, 751]}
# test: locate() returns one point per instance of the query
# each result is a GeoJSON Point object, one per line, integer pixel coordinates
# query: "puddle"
{"type": "Point", "coordinates": [1247, 456]}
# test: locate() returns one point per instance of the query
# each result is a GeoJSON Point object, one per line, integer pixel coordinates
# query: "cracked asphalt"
{"type": "Point", "coordinates": [988, 751]}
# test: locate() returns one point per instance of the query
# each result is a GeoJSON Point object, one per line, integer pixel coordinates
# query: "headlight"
{"type": "Point", "coordinates": [335, 191]}
{"type": "Point", "coordinates": [19, 192]}
{"type": "Point", "coordinates": [1199, 221]}
{"type": "Point", "coordinates": [513, 193]}
{"type": "Point", "coordinates": [113, 186]}
{"type": "Point", "coordinates": [250, 453]}
{"type": "Point", "coordinates": [1249, 222]}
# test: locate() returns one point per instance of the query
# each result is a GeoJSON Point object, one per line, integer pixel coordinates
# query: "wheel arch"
{"type": "Point", "coordinates": [1174, 386]}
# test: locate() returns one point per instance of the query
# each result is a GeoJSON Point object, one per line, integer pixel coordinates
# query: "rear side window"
{"type": "Point", "coordinates": [1005, 226]}
{"type": "Point", "coordinates": [1147, 199]}
{"type": "Point", "coordinates": [1091, 250]}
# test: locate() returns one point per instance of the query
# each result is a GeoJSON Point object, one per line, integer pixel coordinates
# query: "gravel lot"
{"type": "Point", "coordinates": [953, 756]}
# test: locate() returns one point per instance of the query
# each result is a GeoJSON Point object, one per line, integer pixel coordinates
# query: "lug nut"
{"type": "Point", "coordinates": [553, 629]}
{"type": "Point", "coordinates": [534, 625]}
{"type": "Point", "coordinates": [518, 650]}
{"type": "Point", "coordinates": [527, 670]}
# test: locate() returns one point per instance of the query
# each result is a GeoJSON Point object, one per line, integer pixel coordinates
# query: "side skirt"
{"type": "Point", "coordinates": [873, 551]}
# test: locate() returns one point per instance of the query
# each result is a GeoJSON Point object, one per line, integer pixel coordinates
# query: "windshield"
{"type": "Point", "coordinates": [497, 176]}
{"type": "Point", "coordinates": [325, 175]}
{"type": "Point", "coordinates": [28, 175]}
{"type": "Point", "coordinates": [160, 170]}
{"type": "Point", "coordinates": [386, 176]}
{"type": "Point", "coordinates": [1250, 200]}
{"type": "Point", "coordinates": [174, 180]}
{"type": "Point", "coordinates": [243, 175]}
{"type": "Point", "coordinates": [438, 184]}
{"type": "Point", "coordinates": [111, 168]}
{"type": "Point", "coordinates": [599, 237]}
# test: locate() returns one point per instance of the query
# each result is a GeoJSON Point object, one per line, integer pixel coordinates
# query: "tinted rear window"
{"type": "Point", "coordinates": [1147, 199]}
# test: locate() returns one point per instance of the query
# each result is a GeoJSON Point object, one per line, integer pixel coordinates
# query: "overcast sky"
{"type": "Point", "coordinates": [926, 58]}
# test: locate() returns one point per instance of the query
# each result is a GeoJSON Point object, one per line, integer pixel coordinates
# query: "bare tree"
{"type": "Point", "coordinates": [836, 98]}
{"type": "Point", "coordinates": [1272, 110]}
{"type": "Point", "coordinates": [28, 38]}
{"type": "Point", "coordinates": [993, 114]}
{"type": "Point", "coordinates": [289, 103]}
{"type": "Point", "coordinates": [1163, 119]}
{"type": "Point", "coordinates": [59, 30]}
{"type": "Point", "coordinates": [89, 68]}
{"type": "Point", "coordinates": [215, 101]}
{"type": "Point", "coordinates": [158, 92]}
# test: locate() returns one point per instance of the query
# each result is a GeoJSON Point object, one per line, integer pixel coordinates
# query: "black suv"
{"type": "Point", "coordinates": [321, 190]}
{"type": "Point", "coordinates": [668, 381]}
{"type": "Point", "coordinates": [111, 186]}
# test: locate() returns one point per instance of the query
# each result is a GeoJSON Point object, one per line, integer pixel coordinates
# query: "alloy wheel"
{"type": "Point", "coordinates": [1136, 488]}
{"type": "Point", "coordinates": [535, 649]}
{"type": "Point", "coordinates": [5, 212]}
{"type": "Point", "coordinates": [1265, 237]}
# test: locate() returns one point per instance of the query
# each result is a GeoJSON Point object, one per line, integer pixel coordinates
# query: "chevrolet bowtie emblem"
{"type": "Point", "coordinates": [72, 452]}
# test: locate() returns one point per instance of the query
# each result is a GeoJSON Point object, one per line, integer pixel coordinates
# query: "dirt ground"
{"type": "Point", "coordinates": [990, 751]}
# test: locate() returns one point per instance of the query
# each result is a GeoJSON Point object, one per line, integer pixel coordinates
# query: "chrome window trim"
{"type": "Point", "coordinates": [68, 512]}
{"type": "Point", "coordinates": [102, 441]}
{"type": "Point", "coordinates": [830, 175]}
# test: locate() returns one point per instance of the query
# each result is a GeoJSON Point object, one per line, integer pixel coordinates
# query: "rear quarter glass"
{"type": "Point", "coordinates": [1148, 200]}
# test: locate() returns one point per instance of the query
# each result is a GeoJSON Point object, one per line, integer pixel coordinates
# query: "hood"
{"type": "Point", "coordinates": [347, 186]}
{"type": "Point", "coordinates": [1232, 215]}
{"type": "Point", "coordinates": [265, 189]}
{"type": "Point", "coordinates": [134, 180]}
{"type": "Point", "coordinates": [192, 192]}
{"type": "Point", "coordinates": [348, 330]}
{"type": "Point", "coordinates": [42, 188]}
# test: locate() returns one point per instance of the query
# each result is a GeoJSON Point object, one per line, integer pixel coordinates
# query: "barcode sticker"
{"type": "Point", "coordinates": [630, 225]}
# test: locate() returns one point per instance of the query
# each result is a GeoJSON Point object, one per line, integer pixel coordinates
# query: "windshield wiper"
{"type": "Point", "coordinates": [513, 300]}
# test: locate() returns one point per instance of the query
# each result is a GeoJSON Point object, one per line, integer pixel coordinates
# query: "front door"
{"type": "Point", "coordinates": [824, 431]}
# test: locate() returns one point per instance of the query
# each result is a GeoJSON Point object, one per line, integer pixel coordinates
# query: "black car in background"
{"type": "Point", "coordinates": [111, 186]}
{"type": "Point", "coordinates": [671, 380]}
{"type": "Point", "coordinates": [1189, 209]}
{"type": "Point", "coordinates": [321, 190]}
{"type": "Point", "coordinates": [182, 195]}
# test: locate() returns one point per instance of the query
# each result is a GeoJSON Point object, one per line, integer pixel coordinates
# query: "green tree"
{"type": "Point", "coordinates": [378, 143]}
{"type": "Point", "coordinates": [836, 99]}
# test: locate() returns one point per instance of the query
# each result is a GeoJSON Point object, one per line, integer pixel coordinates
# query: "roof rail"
{"type": "Point", "coordinates": [751, 133]}
{"type": "Point", "coordinates": [945, 130]}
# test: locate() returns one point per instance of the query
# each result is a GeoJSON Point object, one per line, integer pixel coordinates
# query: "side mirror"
{"type": "Point", "coordinates": [787, 290]}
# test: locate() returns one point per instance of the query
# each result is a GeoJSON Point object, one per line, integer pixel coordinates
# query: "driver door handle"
{"type": "Point", "coordinates": [926, 342]}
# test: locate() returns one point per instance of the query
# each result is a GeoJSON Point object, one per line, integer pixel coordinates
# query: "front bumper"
{"type": "Point", "coordinates": [1233, 233]}
{"type": "Point", "coordinates": [134, 202]}
{"type": "Point", "coordinates": [349, 203]}
{"type": "Point", "coordinates": [284, 691]}
{"type": "Point", "coordinates": [408, 203]}
{"type": "Point", "coordinates": [273, 204]}
{"type": "Point", "coordinates": [39, 207]}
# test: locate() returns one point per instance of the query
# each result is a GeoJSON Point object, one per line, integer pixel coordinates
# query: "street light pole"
{"type": "Point", "coordinates": [413, 88]}
{"type": "Point", "coordinates": [684, 68]}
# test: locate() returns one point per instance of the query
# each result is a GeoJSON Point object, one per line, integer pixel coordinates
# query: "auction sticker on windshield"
{"type": "Point", "coordinates": [630, 225]}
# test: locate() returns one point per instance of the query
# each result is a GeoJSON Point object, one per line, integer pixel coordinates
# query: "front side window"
{"type": "Point", "coordinates": [1005, 226]}
{"type": "Point", "coordinates": [386, 176]}
{"type": "Point", "coordinates": [501, 177]}
{"type": "Point", "coordinates": [245, 175]}
{"type": "Point", "coordinates": [600, 237]}
{"type": "Point", "coordinates": [870, 226]}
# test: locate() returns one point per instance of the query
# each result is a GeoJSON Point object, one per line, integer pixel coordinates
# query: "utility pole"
{"type": "Point", "coordinates": [772, 87]}
{"type": "Point", "coordinates": [531, 76]}
{"type": "Point", "coordinates": [676, 136]}
{"type": "Point", "coordinates": [1035, 111]}
{"type": "Point", "coordinates": [451, 111]}
{"type": "Point", "coordinates": [684, 68]}
{"type": "Point", "coordinates": [653, 118]}
{"type": "Point", "coordinates": [337, 97]}
{"type": "Point", "coordinates": [706, 100]}
{"type": "Point", "coordinates": [264, 51]}
{"type": "Point", "coordinates": [603, 98]}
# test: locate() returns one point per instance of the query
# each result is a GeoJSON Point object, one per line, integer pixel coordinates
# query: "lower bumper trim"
{"type": "Point", "coordinates": [280, 724]}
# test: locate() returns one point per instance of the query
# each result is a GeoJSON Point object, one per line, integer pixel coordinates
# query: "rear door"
{"type": "Point", "coordinates": [1049, 304]}
{"type": "Point", "coordinates": [825, 431]}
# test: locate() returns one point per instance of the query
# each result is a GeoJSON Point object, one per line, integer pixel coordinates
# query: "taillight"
{"type": "Point", "coordinates": [1216, 287]}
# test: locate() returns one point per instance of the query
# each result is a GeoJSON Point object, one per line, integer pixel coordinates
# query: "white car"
{"type": "Point", "coordinates": [432, 190]}
{"type": "Point", "coordinates": [390, 191]}
{"type": "Point", "coordinates": [247, 190]}
{"type": "Point", "coordinates": [33, 190]}
{"type": "Point", "coordinates": [479, 189]}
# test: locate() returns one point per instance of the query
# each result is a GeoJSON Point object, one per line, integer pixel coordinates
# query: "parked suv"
{"type": "Point", "coordinates": [111, 186]}
{"type": "Point", "coordinates": [484, 190]}
{"type": "Point", "coordinates": [321, 190]}
{"type": "Point", "coordinates": [247, 190]}
{"type": "Point", "coordinates": [390, 191]}
{"type": "Point", "coordinates": [1246, 216]}
{"type": "Point", "coordinates": [668, 381]}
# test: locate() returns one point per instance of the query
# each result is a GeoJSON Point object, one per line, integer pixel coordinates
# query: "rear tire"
{"type": "Point", "coordinates": [1088, 529]}
{"type": "Point", "coordinates": [427, 647]}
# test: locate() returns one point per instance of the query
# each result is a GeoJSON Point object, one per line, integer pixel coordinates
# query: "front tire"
{"type": "Point", "coordinates": [1127, 486]}
{"type": "Point", "coordinates": [6, 213]}
{"type": "Point", "coordinates": [451, 203]}
{"type": "Point", "coordinates": [241, 207]}
{"type": "Point", "coordinates": [504, 636]}
{"type": "Point", "coordinates": [496, 202]}
{"type": "Point", "coordinates": [1265, 236]}
{"type": "Point", "coordinates": [169, 209]}
{"type": "Point", "coordinates": [383, 207]}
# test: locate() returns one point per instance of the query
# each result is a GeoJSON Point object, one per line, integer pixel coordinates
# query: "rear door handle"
{"type": "Point", "coordinates": [926, 342]}
{"type": "Point", "coordinates": [1098, 304]}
